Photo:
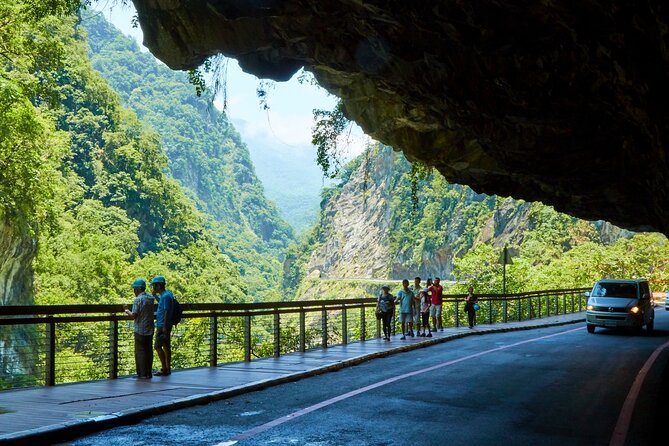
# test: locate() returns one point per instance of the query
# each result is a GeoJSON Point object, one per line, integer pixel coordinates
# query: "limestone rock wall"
{"type": "Point", "coordinates": [17, 250]}
{"type": "Point", "coordinates": [561, 102]}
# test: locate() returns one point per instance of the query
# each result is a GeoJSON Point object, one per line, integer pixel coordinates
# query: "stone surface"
{"type": "Point", "coordinates": [358, 229]}
{"type": "Point", "coordinates": [565, 103]}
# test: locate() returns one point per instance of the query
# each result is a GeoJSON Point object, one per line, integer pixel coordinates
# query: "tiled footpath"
{"type": "Point", "coordinates": [52, 414]}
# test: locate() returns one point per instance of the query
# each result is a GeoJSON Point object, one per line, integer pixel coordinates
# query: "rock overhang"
{"type": "Point", "coordinates": [564, 103]}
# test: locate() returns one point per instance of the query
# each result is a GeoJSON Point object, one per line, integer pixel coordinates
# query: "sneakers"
{"type": "Point", "coordinates": [403, 338]}
{"type": "Point", "coordinates": [429, 335]}
{"type": "Point", "coordinates": [433, 330]}
{"type": "Point", "coordinates": [411, 333]}
{"type": "Point", "coordinates": [441, 329]}
{"type": "Point", "coordinates": [422, 335]}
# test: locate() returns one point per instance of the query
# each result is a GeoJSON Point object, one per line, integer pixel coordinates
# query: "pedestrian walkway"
{"type": "Point", "coordinates": [54, 414]}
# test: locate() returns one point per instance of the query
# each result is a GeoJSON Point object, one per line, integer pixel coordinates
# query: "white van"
{"type": "Point", "coordinates": [620, 303]}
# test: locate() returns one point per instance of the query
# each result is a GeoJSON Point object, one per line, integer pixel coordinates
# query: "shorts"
{"type": "Point", "coordinates": [435, 310]}
{"type": "Point", "coordinates": [405, 317]}
{"type": "Point", "coordinates": [416, 316]}
{"type": "Point", "coordinates": [162, 339]}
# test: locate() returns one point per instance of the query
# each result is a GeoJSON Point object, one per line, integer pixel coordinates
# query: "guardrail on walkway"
{"type": "Point", "coordinates": [48, 345]}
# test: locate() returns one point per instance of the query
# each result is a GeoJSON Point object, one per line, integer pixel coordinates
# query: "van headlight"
{"type": "Point", "coordinates": [590, 307]}
{"type": "Point", "coordinates": [634, 309]}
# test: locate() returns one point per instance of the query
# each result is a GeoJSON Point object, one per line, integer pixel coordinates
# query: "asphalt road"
{"type": "Point", "coordinates": [552, 386]}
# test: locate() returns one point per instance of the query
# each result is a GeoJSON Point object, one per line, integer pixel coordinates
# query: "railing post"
{"type": "Point", "coordinates": [457, 313]}
{"type": "Point", "coordinates": [344, 326]}
{"type": "Point", "coordinates": [247, 338]}
{"type": "Point", "coordinates": [529, 307]}
{"type": "Point", "coordinates": [564, 304]}
{"type": "Point", "coordinates": [324, 326]}
{"type": "Point", "coordinates": [362, 323]}
{"type": "Point", "coordinates": [539, 305]}
{"type": "Point", "coordinates": [557, 304]}
{"type": "Point", "coordinates": [213, 341]}
{"type": "Point", "coordinates": [393, 323]}
{"type": "Point", "coordinates": [50, 366]}
{"type": "Point", "coordinates": [505, 310]}
{"type": "Point", "coordinates": [302, 331]}
{"type": "Point", "coordinates": [571, 296]}
{"type": "Point", "coordinates": [490, 301]}
{"type": "Point", "coordinates": [277, 333]}
{"type": "Point", "coordinates": [378, 327]}
{"type": "Point", "coordinates": [580, 302]}
{"type": "Point", "coordinates": [113, 349]}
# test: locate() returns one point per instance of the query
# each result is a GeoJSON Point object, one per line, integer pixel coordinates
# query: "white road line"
{"type": "Point", "coordinates": [624, 419]}
{"type": "Point", "coordinates": [264, 427]}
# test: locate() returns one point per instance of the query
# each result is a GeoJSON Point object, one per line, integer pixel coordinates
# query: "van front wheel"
{"type": "Point", "coordinates": [591, 328]}
{"type": "Point", "coordinates": [650, 326]}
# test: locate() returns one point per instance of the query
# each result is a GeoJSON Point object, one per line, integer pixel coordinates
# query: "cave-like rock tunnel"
{"type": "Point", "coordinates": [560, 102]}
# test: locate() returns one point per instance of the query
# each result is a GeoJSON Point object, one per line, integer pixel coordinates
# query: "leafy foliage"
{"type": "Point", "coordinates": [328, 128]}
{"type": "Point", "coordinates": [204, 152]}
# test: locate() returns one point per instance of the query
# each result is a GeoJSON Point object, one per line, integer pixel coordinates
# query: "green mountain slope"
{"type": "Point", "coordinates": [385, 220]}
{"type": "Point", "coordinates": [204, 150]}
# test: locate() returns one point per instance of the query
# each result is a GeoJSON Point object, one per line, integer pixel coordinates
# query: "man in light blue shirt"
{"type": "Point", "coordinates": [163, 324]}
{"type": "Point", "coordinates": [405, 299]}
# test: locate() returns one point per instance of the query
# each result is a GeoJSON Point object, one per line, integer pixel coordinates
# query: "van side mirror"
{"type": "Point", "coordinates": [587, 294]}
{"type": "Point", "coordinates": [645, 296]}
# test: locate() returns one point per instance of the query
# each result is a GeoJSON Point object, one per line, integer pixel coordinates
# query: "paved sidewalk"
{"type": "Point", "coordinates": [45, 415]}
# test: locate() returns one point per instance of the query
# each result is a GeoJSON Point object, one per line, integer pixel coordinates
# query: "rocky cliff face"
{"type": "Point", "coordinates": [356, 222]}
{"type": "Point", "coordinates": [365, 231]}
{"type": "Point", "coordinates": [557, 102]}
{"type": "Point", "coordinates": [17, 250]}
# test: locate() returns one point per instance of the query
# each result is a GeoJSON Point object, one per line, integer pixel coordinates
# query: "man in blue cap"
{"type": "Point", "coordinates": [142, 315]}
{"type": "Point", "coordinates": [163, 324]}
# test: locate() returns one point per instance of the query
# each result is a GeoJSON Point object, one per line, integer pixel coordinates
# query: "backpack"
{"type": "Point", "coordinates": [177, 312]}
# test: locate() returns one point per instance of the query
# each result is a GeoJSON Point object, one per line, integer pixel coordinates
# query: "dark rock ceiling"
{"type": "Point", "coordinates": [562, 102]}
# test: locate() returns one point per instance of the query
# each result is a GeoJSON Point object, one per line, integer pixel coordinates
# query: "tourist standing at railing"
{"type": "Point", "coordinates": [385, 303]}
{"type": "Point", "coordinates": [425, 304]}
{"type": "Point", "coordinates": [142, 315]}
{"type": "Point", "coordinates": [163, 344]}
{"type": "Point", "coordinates": [415, 288]}
{"type": "Point", "coordinates": [437, 295]}
{"type": "Point", "coordinates": [470, 300]}
{"type": "Point", "coordinates": [405, 298]}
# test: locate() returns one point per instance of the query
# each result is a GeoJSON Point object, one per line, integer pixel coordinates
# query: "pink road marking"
{"type": "Point", "coordinates": [624, 419]}
{"type": "Point", "coordinates": [264, 427]}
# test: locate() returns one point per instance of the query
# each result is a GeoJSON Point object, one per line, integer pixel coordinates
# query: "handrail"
{"type": "Point", "coordinates": [61, 338]}
{"type": "Point", "coordinates": [19, 310]}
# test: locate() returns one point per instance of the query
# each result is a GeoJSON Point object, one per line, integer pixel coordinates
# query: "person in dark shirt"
{"type": "Point", "coordinates": [470, 300]}
{"type": "Point", "coordinates": [385, 303]}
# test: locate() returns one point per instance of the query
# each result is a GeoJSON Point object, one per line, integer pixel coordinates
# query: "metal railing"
{"type": "Point", "coordinates": [48, 345]}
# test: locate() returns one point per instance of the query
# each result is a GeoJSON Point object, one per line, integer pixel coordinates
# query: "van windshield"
{"type": "Point", "coordinates": [625, 290]}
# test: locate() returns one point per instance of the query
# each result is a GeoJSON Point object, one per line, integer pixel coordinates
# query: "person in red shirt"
{"type": "Point", "coordinates": [437, 294]}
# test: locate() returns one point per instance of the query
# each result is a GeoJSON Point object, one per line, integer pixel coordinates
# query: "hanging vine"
{"type": "Point", "coordinates": [328, 127]}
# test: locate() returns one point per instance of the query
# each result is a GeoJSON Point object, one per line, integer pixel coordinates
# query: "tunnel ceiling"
{"type": "Point", "coordinates": [560, 102]}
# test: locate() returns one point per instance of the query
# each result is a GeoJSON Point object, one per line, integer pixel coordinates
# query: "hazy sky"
{"type": "Point", "coordinates": [289, 120]}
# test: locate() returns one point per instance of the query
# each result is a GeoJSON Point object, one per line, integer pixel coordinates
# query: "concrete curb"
{"type": "Point", "coordinates": [70, 430]}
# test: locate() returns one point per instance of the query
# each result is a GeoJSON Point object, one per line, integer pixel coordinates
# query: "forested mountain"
{"type": "Point", "coordinates": [387, 220]}
{"type": "Point", "coordinates": [205, 153]}
{"type": "Point", "coordinates": [86, 205]}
